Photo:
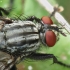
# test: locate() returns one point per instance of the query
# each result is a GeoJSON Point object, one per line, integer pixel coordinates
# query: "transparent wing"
{"type": "Point", "coordinates": [6, 61]}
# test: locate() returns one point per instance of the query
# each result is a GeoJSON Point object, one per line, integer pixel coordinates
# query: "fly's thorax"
{"type": "Point", "coordinates": [20, 35]}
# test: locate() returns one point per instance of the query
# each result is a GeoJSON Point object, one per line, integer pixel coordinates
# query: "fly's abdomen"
{"type": "Point", "coordinates": [20, 35]}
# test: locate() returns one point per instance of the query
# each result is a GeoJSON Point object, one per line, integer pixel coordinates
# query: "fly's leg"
{"type": "Point", "coordinates": [39, 56]}
{"type": "Point", "coordinates": [4, 11]}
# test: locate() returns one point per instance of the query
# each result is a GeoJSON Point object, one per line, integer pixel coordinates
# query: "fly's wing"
{"type": "Point", "coordinates": [6, 61]}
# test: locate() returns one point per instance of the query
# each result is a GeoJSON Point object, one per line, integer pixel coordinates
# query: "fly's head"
{"type": "Point", "coordinates": [49, 34]}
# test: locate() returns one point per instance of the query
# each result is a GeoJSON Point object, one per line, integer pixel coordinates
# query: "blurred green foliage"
{"type": "Point", "coordinates": [62, 48]}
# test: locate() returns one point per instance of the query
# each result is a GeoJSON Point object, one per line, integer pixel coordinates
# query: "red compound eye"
{"type": "Point", "coordinates": [47, 20]}
{"type": "Point", "coordinates": [50, 38]}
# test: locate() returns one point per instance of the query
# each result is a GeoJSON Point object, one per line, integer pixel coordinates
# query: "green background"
{"type": "Point", "coordinates": [62, 48]}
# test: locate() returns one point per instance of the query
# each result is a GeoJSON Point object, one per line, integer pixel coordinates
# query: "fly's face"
{"type": "Point", "coordinates": [48, 32]}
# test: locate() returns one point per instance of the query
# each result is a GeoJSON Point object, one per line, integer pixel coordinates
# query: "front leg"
{"type": "Point", "coordinates": [40, 56]}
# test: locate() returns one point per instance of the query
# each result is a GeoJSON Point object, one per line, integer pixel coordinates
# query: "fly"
{"type": "Point", "coordinates": [21, 39]}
